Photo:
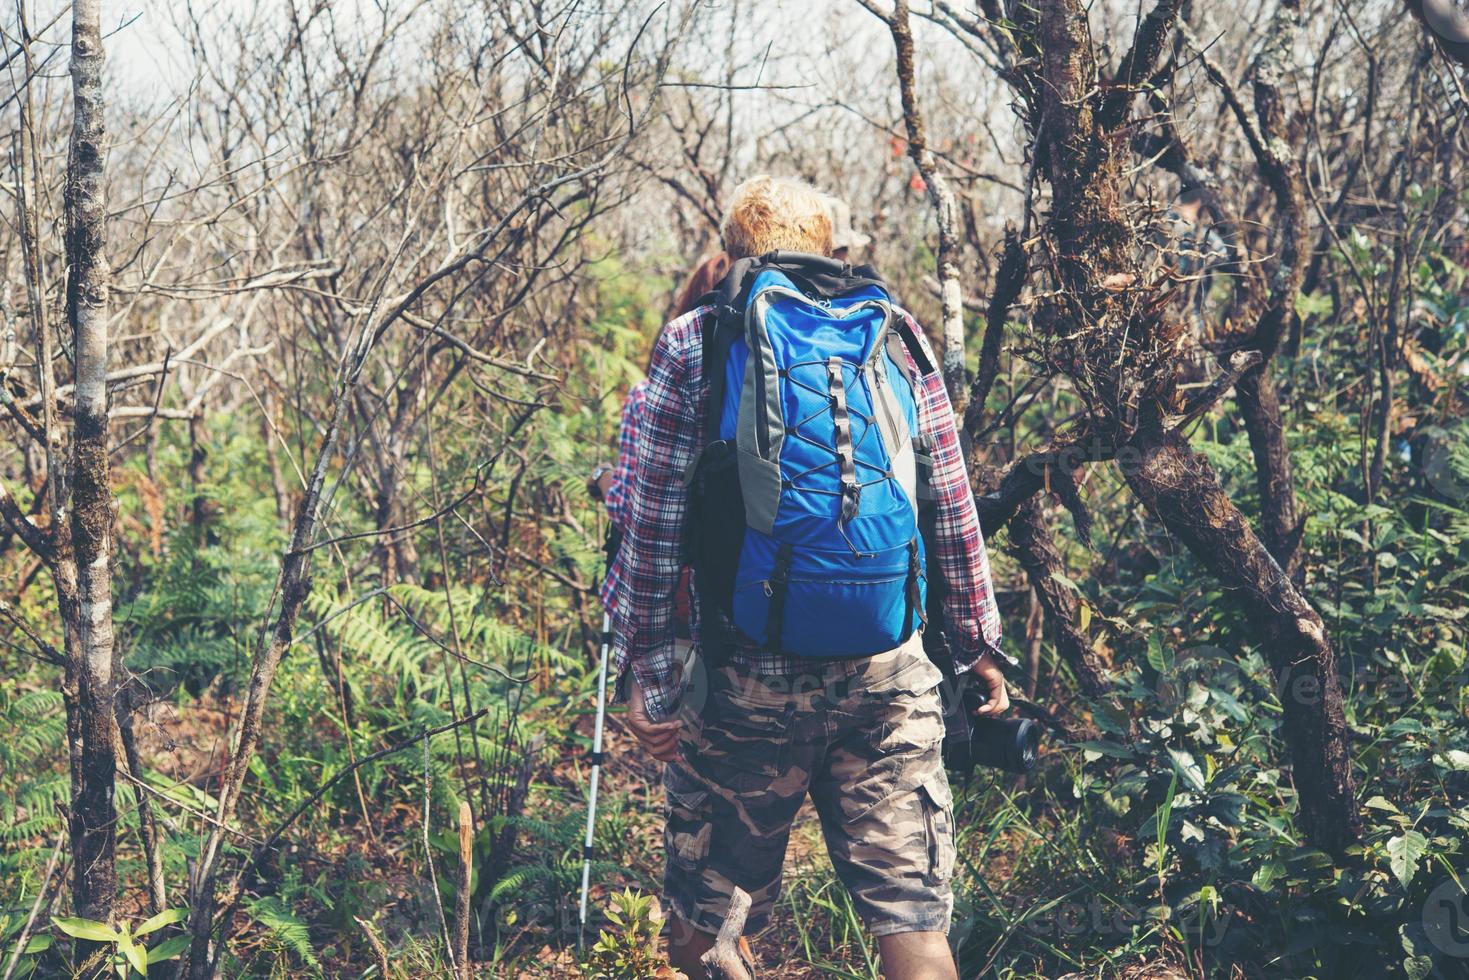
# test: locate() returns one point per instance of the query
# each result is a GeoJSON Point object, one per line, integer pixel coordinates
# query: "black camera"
{"type": "Point", "coordinates": [972, 740]}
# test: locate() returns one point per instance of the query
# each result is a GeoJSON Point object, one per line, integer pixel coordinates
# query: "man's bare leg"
{"type": "Point", "coordinates": [917, 956]}
{"type": "Point", "coordinates": [685, 945]}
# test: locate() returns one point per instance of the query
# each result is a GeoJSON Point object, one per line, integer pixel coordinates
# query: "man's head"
{"type": "Point", "coordinates": [769, 213]}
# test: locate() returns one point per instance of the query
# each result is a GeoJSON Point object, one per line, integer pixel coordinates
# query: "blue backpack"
{"type": "Point", "coordinates": [805, 501]}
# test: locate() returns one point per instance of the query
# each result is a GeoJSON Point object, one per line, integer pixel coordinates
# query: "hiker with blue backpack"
{"type": "Point", "coordinates": [798, 448]}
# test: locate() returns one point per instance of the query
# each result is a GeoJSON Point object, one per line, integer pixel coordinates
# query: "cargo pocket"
{"type": "Point", "coordinates": [901, 727]}
{"type": "Point", "coordinates": [745, 734]}
{"type": "Point", "coordinates": [686, 828]}
{"type": "Point", "coordinates": [938, 827]}
{"type": "Point", "coordinates": [909, 708]}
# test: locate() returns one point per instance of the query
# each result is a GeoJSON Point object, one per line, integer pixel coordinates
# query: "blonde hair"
{"type": "Point", "coordinates": [768, 213]}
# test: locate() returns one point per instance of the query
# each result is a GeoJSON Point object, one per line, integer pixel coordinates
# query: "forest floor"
{"type": "Point", "coordinates": [184, 743]}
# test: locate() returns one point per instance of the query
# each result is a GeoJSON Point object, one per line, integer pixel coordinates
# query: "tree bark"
{"type": "Point", "coordinates": [88, 612]}
{"type": "Point", "coordinates": [1096, 249]}
{"type": "Point", "coordinates": [1280, 520]}
{"type": "Point", "coordinates": [1182, 491]}
{"type": "Point", "coordinates": [462, 967]}
{"type": "Point", "coordinates": [728, 959]}
{"type": "Point", "coordinates": [1256, 392]}
{"type": "Point", "coordinates": [1041, 560]}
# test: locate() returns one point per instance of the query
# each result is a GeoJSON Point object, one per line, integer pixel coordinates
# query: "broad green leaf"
{"type": "Point", "coordinates": [1403, 853]}
{"type": "Point", "coordinates": [1456, 759]}
{"type": "Point", "coordinates": [1066, 582]}
{"type": "Point", "coordinates": [1158, 659]}
{"type": "Point", "coordinates": [165, 918]}
{"type": "Point", "coordinates": [136, 954]}
{"type": "Point", "coordinates": [1186, 766]}
{"type": "Point", "coordinates": [168, 949]}
{"type": "Point", "coordinates": [1096, 748]}
{"type": "Point", "coordinates": [88, 929]}
{"type": "Point", "coordinates": [1418, 967]}
{"type": "Point", "coordinates": [1267, 873]}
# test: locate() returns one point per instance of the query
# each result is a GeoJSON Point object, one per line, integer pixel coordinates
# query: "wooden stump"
{"type": "Point", "coordinates": [730, 959]}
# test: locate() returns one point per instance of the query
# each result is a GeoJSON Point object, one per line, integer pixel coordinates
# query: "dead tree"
{"type": "Point", "coordinates": [1030, 534]}
{"type": "Point", "coordinates": [58, 404]}
{"type": "Point", "coordinates": [77, 545]}
{"type": "Point", "coordinates": [1104, 323]}
{"type": "Point", "coordinates": [1268, 292]}
{"type": "Point", "coordinates": [87, 610]}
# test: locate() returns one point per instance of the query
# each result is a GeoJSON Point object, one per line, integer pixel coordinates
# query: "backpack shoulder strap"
{"type": "Point", "coordinates": [903, 328]}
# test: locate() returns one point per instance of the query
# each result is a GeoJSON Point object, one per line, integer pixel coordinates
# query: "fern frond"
{"type": "Point", "coordinates": [284, 925]}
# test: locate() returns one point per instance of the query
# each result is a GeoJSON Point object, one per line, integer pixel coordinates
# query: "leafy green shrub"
{"type": "Point", "coordinates": [628, 949]}
{"type": "Point", "coordinates": [129, 952]}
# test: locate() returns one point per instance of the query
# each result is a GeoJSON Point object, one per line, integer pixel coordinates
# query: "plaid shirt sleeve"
{"type": "Point", "coordinates": [627, 455]}
{"type": "Point", "coordinates": [652, 547]}
{"type": "Point", "coordinates": [973, 618]}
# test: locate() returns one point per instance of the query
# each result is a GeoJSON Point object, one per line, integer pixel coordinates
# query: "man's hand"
{"type": "Point", "coordinates": [658, 738]}
{"type": "Point", "coordinates": [600, 481]}
{"type": "Point", "coordinates": [998, 699]}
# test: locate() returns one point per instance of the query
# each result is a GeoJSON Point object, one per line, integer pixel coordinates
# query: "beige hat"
{"type": "Point", "coordinates": [843, 235]}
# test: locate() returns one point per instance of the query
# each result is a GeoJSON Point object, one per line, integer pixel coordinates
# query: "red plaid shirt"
{"type": "Point", "coordinates": [670, 437]}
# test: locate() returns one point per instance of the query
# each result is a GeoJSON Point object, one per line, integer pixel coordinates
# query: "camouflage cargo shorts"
{"type": "Point", "coordinates": [862, 738]}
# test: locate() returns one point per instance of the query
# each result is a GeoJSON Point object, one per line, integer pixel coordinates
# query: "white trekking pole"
{"type": "Point", "coordinates": [586, 851]}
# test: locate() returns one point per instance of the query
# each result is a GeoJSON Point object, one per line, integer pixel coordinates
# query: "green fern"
{"type": "Point", "coordinates": [32, 729]}
{"type": "Point", "coordinates": [284, 925]}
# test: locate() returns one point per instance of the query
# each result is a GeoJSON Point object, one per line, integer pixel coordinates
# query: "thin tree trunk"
{"type": "Point", "coordinates": [278, 485]}
{"type": "Point", "coordinates": [292, 587]}
{"type": "Point", "coordinates": [199, 504]}
{"type": "Point", "coordinates": [1256, 392]}
{"type": "Point", "coordinates": [1035, 624]}
{"type": "Point", "coordinates": [90, 650]}
{"type": "Point", "coordinates": [1182, 491]}
{"type": "Point", "coordinates": [461, 897]}
{"type": "Point", "coordinates": [148, 834]}
{"type": "Point", "coordinates": [941, 197]}
{"type": "Point", "coordinates": [1399, 286]}
{"type": "Point", "coordinates": [1041, 560]}
{"type": "Point", "coordinates": [397, 554]}
{"type": "Point", "coordinates": [1280, 521]}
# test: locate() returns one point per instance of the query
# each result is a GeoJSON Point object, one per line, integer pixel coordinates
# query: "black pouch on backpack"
{"type": "Point", "coordinates": [716, 522]}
